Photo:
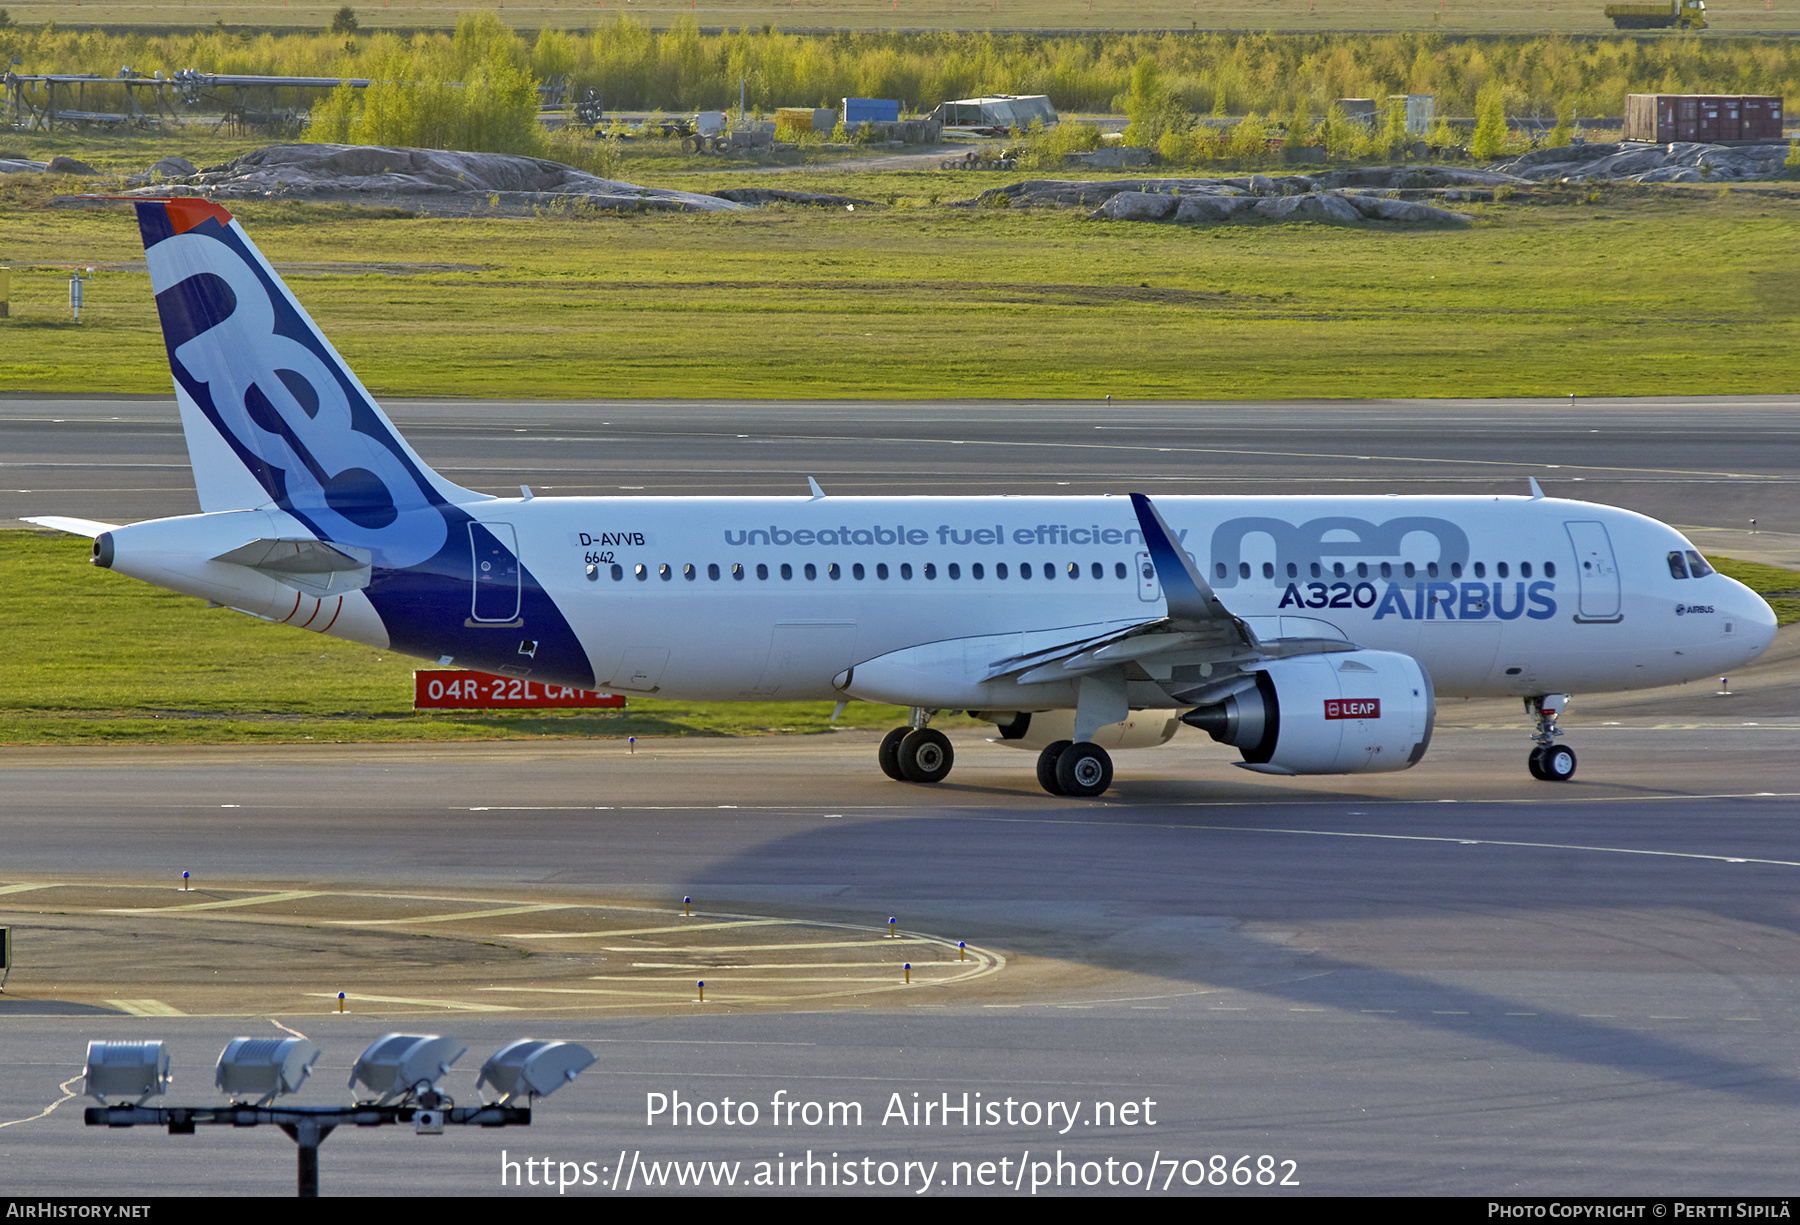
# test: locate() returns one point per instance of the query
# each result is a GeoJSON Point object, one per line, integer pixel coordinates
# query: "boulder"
{"type": "Point", "coordinates": [1140, 206]}
{"type": "Point", "coordinates": [1198, 210]}
{"type": "Point", "coordinates": [1380, 208]}
{"type": "Point", "coordinates": [171, 168]}
{"type": "Point", "coordinates": [69, 165]}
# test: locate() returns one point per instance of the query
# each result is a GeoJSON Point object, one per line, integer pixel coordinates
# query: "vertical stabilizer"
{"type": "Point", "coordinates": [273, 416]}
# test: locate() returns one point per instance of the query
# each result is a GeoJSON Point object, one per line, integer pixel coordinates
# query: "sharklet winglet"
{"type": "Point", "coordinates": [1190, 597]}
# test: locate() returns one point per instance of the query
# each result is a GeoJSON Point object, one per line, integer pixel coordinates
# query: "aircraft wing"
{"type": "Point", "coordinates": [1197, 624]}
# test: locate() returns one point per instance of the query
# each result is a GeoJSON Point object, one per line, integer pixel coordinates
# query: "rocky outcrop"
{"type": "Point", "coordinates": [1680, 162]}
{"type": "Point", "coordinates": [1272, 202]}
{"type": "Point", "coordinates": [1415, 182]}
{"type": "Point", "coordinates": [433, 180]}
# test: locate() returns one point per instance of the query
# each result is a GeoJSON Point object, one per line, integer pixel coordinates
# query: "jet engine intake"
{"type": "Point", "coordinates": [1357, 712]}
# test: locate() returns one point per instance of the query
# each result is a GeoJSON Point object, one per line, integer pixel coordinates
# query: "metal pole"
{"type": "Point", "coordinates": [308, 1135]}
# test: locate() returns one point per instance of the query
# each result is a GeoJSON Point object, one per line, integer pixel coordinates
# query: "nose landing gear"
{"type": "Point", "coordinates": [1550, 762]}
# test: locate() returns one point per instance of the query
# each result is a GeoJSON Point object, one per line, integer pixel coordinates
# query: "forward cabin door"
{"type": "Point", "coordinates": [1595, 570]}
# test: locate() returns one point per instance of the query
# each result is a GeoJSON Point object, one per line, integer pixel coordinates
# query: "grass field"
{"type": "Point", "coordinates": [1615, 291]}
{"type": "Point", "coordinates": [1566, 16]}
{"type": "Point", "coordinates": [98, 658]}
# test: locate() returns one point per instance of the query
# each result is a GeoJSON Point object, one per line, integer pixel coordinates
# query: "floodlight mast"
{"type": "Point", "coordinates": [398, 1071]}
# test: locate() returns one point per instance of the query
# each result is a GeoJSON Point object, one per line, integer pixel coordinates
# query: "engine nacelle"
{"type": "Point", "coordinates": [1020, 729]}
{"type": "Point", "coordinates": [1352, 712]}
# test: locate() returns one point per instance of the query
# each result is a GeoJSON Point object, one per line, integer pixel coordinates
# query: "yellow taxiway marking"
{"type": "Point", "coordinates": [454, 1005]}
{"type": "Point", "coordinates": [261, 899]}
{"type": "Point", "coordinates": [450, 918]}
{"type": "Point", "coordinates": [146, 1008]}
{"type": "Point", "coordinates": [649, 931]}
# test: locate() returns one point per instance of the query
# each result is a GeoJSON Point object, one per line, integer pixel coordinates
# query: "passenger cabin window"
{"type": "Point", "coordinates": [881, 570]}
{"type": "Point", "coordinates": [737, 570]}
{"type": "Point", "coordinates": [1501, 570]}
{"type": "Point", "coordinates": [762, 571]}
{"type": "Point", "coordinates": [930, 569]}
{"type": "Point", "coordinates": [1549, 569]}
{"type": "Point", "coordinates": [856, 571]}
{"type": "Point", "coordinates": [953, 570]}
{"type": "Point", "coordinates": [712, 571]}
{"type": "Point", "coordinates": [1099, 571]}
{"type": "Point", "coordinates": [906, 570]}
{"type": "Point", "coordinates": [1431, 569]}
{"type": "Point", "coordinates": [1000, 569]}
{"type": "Point", "coordinates": [975, 570]}
{"type": "Point", "coordinates": [1293, 571]}
{"type": "Point", "coordinates": [1119, 570]}
{"type": "Point", "coordinates": [1480, 569]}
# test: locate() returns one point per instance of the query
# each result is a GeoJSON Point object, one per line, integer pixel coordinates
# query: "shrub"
{"type": "Point", "coordinates": [1489, 140]}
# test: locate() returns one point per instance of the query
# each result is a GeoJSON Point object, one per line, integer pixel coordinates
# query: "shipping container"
{"type": "Point", "coordinates": [870, 110]}
{"type": "Point", "coordinates": [1662, 118]}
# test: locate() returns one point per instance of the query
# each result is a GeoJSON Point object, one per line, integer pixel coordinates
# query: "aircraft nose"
{"type": "Point", "coordinates": [1755, 620]}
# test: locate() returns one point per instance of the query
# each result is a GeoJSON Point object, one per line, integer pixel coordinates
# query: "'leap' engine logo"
{"type": "Point", "coordinates": [1353, 708]}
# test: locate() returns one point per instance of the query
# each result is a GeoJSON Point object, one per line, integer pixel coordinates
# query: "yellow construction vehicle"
{"type": "Point", "coordinates": [1685, 14]}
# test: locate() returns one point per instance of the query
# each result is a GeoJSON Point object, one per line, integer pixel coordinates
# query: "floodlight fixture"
{"type": "Point", "coordinates": [532, 1067]}
{"type": "Point", "coordinates": [137, 1070]}
{"type": "Point", "coordinates": [398, 1067]}
{"type": "Point", "coordinates": [259, 1070]}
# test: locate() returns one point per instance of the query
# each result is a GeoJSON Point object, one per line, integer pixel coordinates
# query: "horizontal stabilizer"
{"type": "Point", "coordinates": [313, 566]}
{"type": "Point", "coordinates": [297, 556]}
{"type": "Point", "coordinates": [75, 527]}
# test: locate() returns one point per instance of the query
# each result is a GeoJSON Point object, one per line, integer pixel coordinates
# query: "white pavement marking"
{"type": "Point", "coordinates": [22, 889]}
{"type": "Point", "coordinates": [450, 918]}
{"type": "Point", "coordinates": [261, 899]}
{"type": "Point", "coordinates": [453, 1005]}
{"type": "Point", "coordinates": [649, 931]}
{"type": "Point", "coordinates": [67, 1093]}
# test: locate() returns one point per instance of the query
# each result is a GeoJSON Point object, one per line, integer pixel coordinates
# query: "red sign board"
{"type": "Point", "coordinates": [457, 689]}
{"type": "Point", "coordinates": [1353, 708]}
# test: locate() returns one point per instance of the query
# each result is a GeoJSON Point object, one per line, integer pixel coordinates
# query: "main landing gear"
{"type": "Point", "coordinates": [916, 754]}
{"type": "Point", "coordinates": [1068, 768]}
{"type": "Point", "coordinates": [1551, 762]}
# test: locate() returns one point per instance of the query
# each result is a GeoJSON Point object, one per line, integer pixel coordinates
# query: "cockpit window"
{"type": "Point", "coordinates": [1677, 566]}
{"type": "Point", "coordinates": [1697, 565]}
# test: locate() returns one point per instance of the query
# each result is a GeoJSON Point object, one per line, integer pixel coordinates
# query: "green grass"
{"type": "Point", "coordinates": [1614, 291]}
{"type": "Point", "coordinates": [1060, 15]}
{"type": "Point", "coordinates": [1781, 588]}
{"type": "Point", "coordinates": [98, 658]}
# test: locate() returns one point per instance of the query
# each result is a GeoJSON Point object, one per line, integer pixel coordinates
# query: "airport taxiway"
{"type": "Point", "coordinates": [1450, 980]}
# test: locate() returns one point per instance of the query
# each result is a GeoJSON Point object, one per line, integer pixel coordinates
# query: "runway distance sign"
{"type": "Point", "coordinates": [459, 689]}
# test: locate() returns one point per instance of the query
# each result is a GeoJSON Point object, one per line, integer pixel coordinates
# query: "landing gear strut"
{"type": "Point", "coordinates": [1549, 761]}
{"type": "Point", "coordinates": [916, 754]}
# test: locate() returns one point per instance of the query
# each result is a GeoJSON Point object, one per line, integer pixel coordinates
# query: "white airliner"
{"type": "Point", "coordinates": [1312, 634]}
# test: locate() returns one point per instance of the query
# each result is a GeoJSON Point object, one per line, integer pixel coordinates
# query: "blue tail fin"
{"type": "Point", "coordinates": [273, 415]}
